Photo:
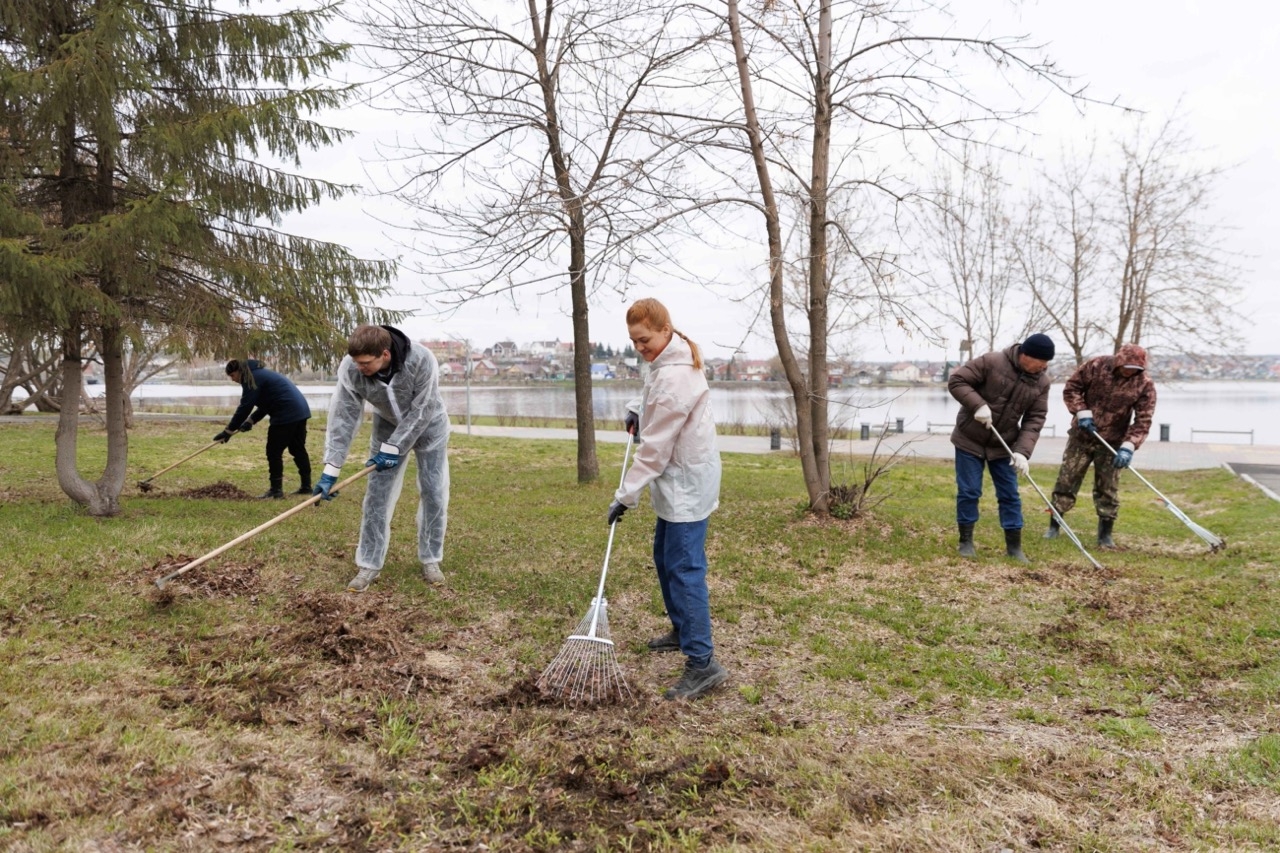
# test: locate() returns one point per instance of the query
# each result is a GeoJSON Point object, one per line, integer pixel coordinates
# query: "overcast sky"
{"type": "Point", "coordinates": [1158, 56]}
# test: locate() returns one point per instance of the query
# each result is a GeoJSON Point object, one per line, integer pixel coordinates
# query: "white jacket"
{"type": "Point", "coordinates": [677, 457]}
{"type": "Point", "coordinates": [404, 411]}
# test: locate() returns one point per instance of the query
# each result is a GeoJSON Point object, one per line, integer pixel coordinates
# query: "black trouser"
{"type": "Point", "coordinates": [294, 437]}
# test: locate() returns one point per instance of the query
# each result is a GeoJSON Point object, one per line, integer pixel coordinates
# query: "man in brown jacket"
{"type": "Point", "coordinates": [1110, 396]}
{"type": "Point", "coordinates": [1005, 391]}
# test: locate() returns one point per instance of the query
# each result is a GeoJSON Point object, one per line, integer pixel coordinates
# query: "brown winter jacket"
{"type": "Point", "coordinates": [1122, 408]}
{"type": "Point", "coordinates": [1019, 402]}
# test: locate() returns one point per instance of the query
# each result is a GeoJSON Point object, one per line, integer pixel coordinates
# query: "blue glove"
{"type": "Point", "coordinates": [1123, 457]}
{"type": "Point", "coordinates": [324, 487]}
{"type": "Point", "coordinates": [615, 512]}
{"type": "Point", "coordinates": [246, 426]}
{"type": "Point", "coordinates": [387, 458]}
{"type": "Point", "coordinates": [223, 437]}
{"type": "Point", "coordinates": [1086, 424]}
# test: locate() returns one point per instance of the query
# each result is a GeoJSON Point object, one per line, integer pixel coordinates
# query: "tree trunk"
{"type": "Point", "coordinates": [588, 464]}
{"type": "Point", "coordinates": [101, 498]}
{"type": "Point", "coordinates": [819, 286]}
{"type": "Point", "coordinates": [814, 481]}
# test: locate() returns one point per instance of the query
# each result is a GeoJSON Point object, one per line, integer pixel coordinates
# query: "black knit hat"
{"type": "Point", "coordinates": [1037, 346]}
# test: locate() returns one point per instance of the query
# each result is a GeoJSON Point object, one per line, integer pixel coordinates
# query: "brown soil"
{"type": "Point", "coordinates": [219, 491]}
{"type": "Point", "coordinates": [291, 731]}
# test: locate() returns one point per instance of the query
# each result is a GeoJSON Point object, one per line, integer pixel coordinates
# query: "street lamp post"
{"type": "Point", "coordinates": [466, 371]}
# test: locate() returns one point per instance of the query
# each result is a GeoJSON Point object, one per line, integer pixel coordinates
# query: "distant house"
{"type": "Point", "coordinates": [504, 349]}
{"type": "Point", "coordinates": [483, 370]}
{"type": "Point", "coordinates": [449, 350]}
{"type": "Point", "coordinates": [524, 370]}
{"type": "Point", "coordinates": [544, 348]}
{"type": "Point", "coordinates": [755, 371]}
{"type": "Point", "coordinates": [904, 371]}
{"type": "Point", "coordinates": [600, 370]}
{"type": "Point", "coordinates": [452, 369]}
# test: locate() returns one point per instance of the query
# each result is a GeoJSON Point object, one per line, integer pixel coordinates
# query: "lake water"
{"type": "Point", "coordinates": [1219, 412]}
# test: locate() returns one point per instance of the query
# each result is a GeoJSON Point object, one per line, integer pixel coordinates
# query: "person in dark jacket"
{"type": "Point", "coordinates": [266, 394]}
{"type": "Point", "coordinates": [1109, 396]}
{"type": "Point", "coordinates": [1007, 392]}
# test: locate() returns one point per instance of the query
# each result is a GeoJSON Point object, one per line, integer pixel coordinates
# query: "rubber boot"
{"type": "Point", "coordinates": [304, 474]}
{"type": "Point", "coordinates": [1054, 527]}
{"type": "Point", "coordinates": [1104, 533]}
{"type": "Point", "coordinates": [273, 492]}
{"type": "Point", "coordinates": [966, 541]}
{"type": "Point", "coordinates": [1013, 545]}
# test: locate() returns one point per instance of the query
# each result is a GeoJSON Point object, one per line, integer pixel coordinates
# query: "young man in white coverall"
{"type": "Point", "coordinates": [400, 380]}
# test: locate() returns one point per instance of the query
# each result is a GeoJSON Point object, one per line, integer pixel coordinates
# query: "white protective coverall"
{"type": "Point", "coordinates": [410, 414]}
{"type": "Point", "coordinates": [677, 458]}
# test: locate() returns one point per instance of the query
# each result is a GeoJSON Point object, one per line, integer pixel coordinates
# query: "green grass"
{"type": "Point", "coordinates": [884, 693]}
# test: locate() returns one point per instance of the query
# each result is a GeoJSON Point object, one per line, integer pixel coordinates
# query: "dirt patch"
{"type": "Point", "coordinates": [370, 642]}
{"type": "Point", "coordinates": [224, 580]}
{"type": "Point", "coordinates": [220, 490]}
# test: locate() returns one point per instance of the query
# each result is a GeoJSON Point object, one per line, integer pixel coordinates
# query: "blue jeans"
{"type": "Point", "coordinates": [680, 556]}
{"type": "Point", "coordinates": [969, 489]}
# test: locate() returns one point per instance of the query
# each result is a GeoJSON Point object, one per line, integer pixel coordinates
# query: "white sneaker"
{"type": "Point", "coordinates": [431, 573]}
{"type": "Point", "coordinates": [361, 581]}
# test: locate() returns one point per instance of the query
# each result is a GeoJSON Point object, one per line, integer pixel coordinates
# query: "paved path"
{"type": "Point", "coordinates": [1258, 464]}
{"type": "Point", "coordinates": [1265, 477]}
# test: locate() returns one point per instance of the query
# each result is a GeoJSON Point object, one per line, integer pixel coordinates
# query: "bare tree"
{"type": "Point", "coordinates": [1122, 247]}
{"type": "Point", "coordinates": [852, 66]}
{"type": "Point", "coordinates": [546, 161]}
{"type": "Point", "coordinates": [976, 248]}
{"type": "Point", "coordinates": [1058, 246]}
{"type": "Point", "coordinates": [1173, 282]}
{"type": "Point", "coordinates": [33, 363]}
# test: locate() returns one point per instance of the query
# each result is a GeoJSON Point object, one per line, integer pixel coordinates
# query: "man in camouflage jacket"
{"type": "Point", "coordinates": [1109, 396]}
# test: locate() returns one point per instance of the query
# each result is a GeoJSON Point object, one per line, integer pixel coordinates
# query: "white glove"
{"type": "Point", "coordinates": [983, 415]}
{"type": "Point", "coordinates": [1020, 464]}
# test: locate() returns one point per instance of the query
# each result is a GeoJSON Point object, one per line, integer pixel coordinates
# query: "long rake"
{"type": "Point", "coordinates": [146, 485]}
{"type": "Point", "coordinates": [311, 501]}
{"type": "Point", "coordinates": [1062, 522]}
{"type": "Point", "coordinates": [586, 671]}
{"type": "Point", "coordinates": [1215, 543]}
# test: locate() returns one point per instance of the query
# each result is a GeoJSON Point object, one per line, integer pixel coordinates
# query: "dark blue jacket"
{"type": "Point", "coordinates": [274, 395]}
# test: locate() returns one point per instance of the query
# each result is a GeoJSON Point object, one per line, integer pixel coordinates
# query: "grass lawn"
{"type": "Point", "coordinates": [885, 694]}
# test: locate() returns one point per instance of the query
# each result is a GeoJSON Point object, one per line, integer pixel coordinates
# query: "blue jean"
{"type": "Point", "coordinates": [680, 556]}
{"type": "Point", "coordinates": [969, 489]}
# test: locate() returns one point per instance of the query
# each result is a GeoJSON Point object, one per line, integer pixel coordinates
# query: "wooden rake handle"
{"type": "Point", "coordinates": [311, 501]}
{"type": "Point", "coordinates": [180, 461]}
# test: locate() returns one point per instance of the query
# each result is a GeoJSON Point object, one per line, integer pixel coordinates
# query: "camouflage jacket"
{"type": "Point", "coordinates": [1122, 408]}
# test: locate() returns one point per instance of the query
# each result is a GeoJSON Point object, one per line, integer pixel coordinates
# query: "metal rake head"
{"type": "Point", "coordinates": [586, 671]}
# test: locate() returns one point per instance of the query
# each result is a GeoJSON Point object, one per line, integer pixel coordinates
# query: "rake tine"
{"type": "Point", "coordinates": [586, 669]}
{"type": "Point", "coordinates": [1215, 543]}
{"type": "Point", "coordinates": [1062, 522]}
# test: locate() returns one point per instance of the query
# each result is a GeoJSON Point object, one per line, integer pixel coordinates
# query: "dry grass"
{"type": "Point", "coordinates": [885, 695]}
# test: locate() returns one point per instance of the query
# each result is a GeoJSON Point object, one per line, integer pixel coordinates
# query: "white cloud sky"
{"type": "Point", "coordinates": [1216, 68]}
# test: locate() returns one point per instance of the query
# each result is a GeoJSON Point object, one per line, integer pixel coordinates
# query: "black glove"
{"type": "Point", "coordinates": [632, 423]}
{"type": "Point", "coordinates": [615, 512]}
{"type": "Point", "coordinates": [245, 427]}
{"type": "Point", "coordinates": [223, 437]}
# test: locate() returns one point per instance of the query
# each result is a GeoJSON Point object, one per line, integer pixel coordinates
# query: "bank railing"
{"type": "Point", "coordinates": [1247, 432]}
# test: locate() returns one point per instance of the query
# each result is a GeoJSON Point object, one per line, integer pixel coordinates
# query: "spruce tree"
{"type": "Point", "coordinates": [149, 150]}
